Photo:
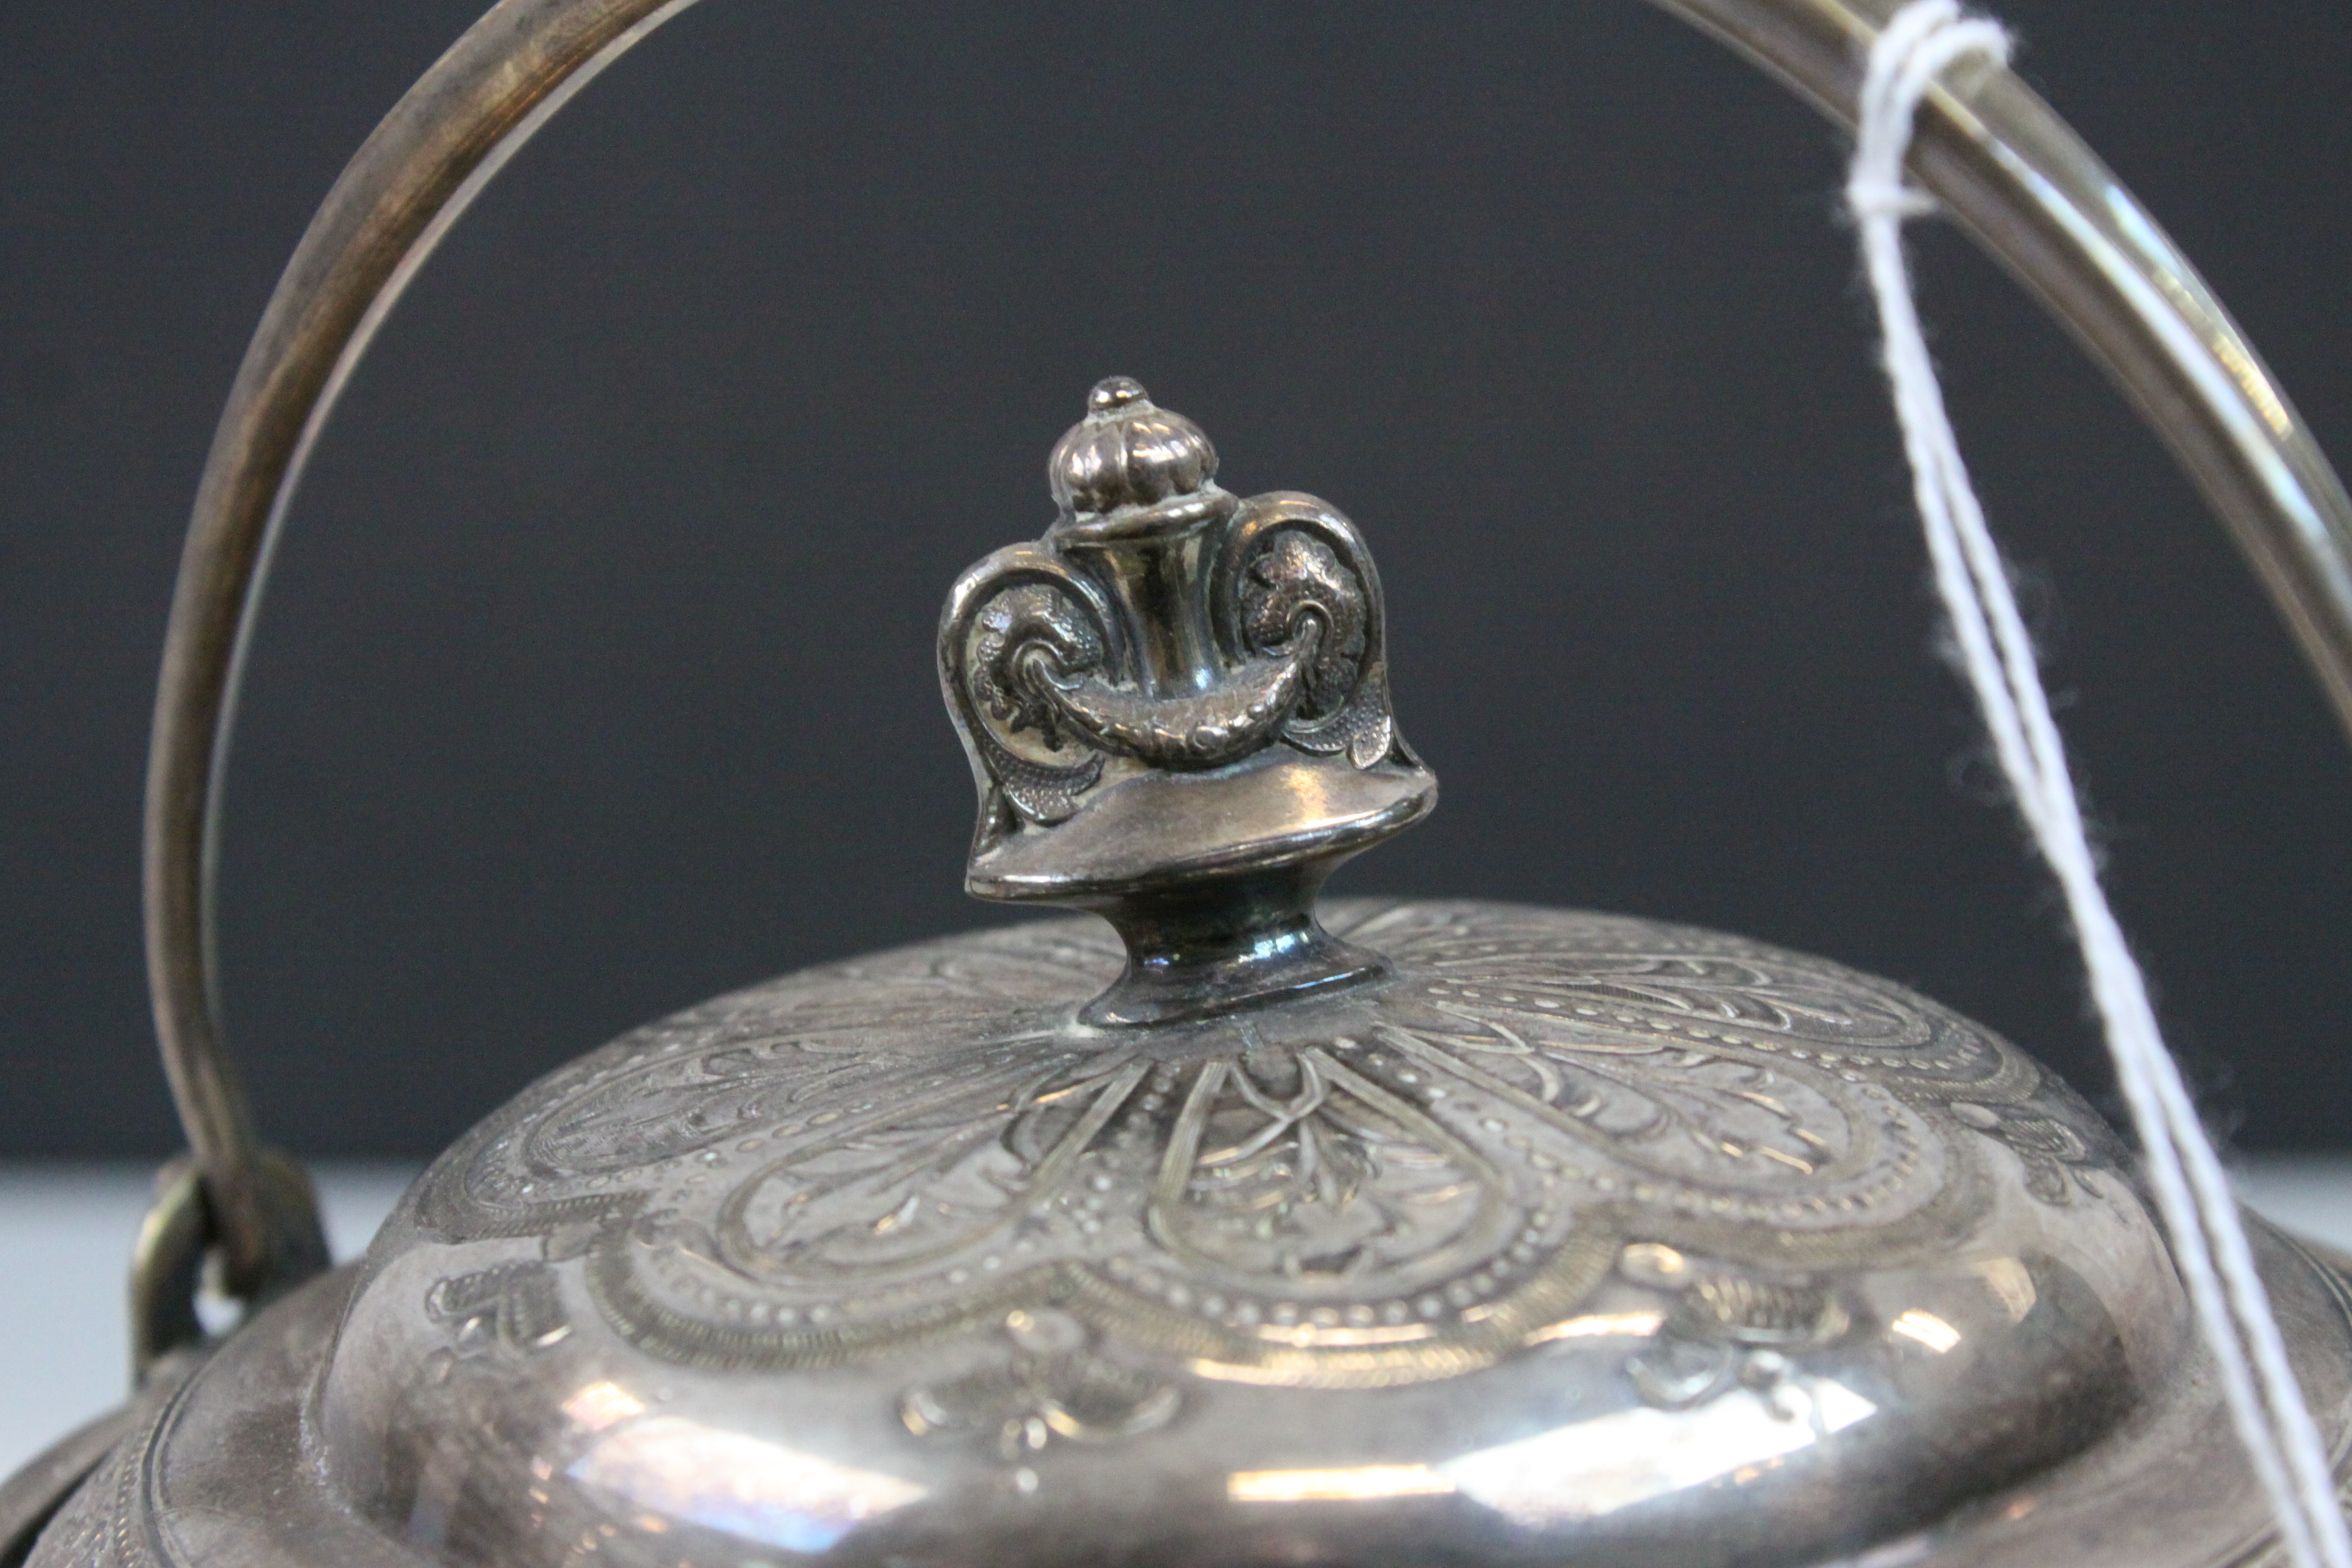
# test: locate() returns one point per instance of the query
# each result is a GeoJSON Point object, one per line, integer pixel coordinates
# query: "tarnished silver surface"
{"type": "Point", "coordinates": [1575, 1239]}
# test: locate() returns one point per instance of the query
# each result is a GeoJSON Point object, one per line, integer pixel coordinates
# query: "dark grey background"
{"type": "Point", "coordinates": [596, 673]}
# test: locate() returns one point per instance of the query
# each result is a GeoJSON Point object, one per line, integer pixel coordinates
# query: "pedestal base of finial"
{"type": "Point", "coordinates": [1211, 877]}
{"type": "Point", "coordinates": [1226, 944]}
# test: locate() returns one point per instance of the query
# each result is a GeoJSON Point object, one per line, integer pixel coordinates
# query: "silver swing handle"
{"type": "Point", "coordinates": [2002, 163]}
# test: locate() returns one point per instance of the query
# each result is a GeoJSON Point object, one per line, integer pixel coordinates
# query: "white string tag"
{"type": "Point", "coordinates": [1996, 653]}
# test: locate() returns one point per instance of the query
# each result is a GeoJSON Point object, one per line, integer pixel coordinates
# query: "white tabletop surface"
{"type": "Point", "coordinates": [65, 1232]}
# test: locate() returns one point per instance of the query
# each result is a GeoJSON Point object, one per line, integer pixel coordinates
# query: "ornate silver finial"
{"type": "Point", "coordinates": [1176, 708]}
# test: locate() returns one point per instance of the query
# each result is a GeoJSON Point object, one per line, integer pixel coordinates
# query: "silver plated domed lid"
{"type": "Point", "coordinates": [1391, 1233]}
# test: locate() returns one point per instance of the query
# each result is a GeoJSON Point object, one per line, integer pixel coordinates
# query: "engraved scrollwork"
{"type": "Point", "coordinates": [2059, 1155]}
{"type": "Point", "coordinates": [1289, 1165]}
{"type": "Point", "coordinates": [1405, 1184]}
{"type": "Point", "coordinates": [509, 1310]}
{"type": "Point", "coordinates": [1725, 1328]}
{"type": "Point", "coordinates": [909, 1185]}
{"type": "Point", "coordinates": [1051, 1387]}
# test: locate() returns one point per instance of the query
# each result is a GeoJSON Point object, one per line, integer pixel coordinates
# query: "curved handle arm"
{"type": "Point", "coordinates": [2039, 201]}
{"type": "Point", "coordinates": [2017, 179]}
{"type": "Point", "coordinates": [412, 179]}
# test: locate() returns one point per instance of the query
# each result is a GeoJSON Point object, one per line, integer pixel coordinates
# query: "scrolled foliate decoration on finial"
{"type": "Point", "coordinates": [1176, 688]}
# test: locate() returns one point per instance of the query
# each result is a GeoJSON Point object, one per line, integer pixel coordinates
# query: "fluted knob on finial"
{"type": "Point", "coordinates": [1176, 706]}
{"type": "Point", "coordinates": [1130, 453]}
